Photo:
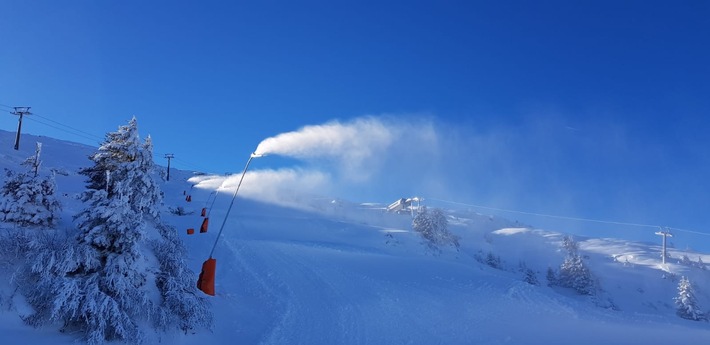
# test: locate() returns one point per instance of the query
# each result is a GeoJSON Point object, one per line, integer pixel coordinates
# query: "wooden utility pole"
{"type": "Point", "coordinates": [20, 111]}
{"type": "Point", "coordinates": [169, 156]}
{"type": "Point", "coordinates": [665, 233]}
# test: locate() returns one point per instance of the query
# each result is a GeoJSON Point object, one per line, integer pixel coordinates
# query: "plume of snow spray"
{"type": "Point", "coordinates": [353, 145]}
{"type": "Point", "coordinates": [354, 140]}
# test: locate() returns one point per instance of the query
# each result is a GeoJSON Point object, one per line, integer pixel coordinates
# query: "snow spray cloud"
{"type": "Point", "coordinates": [281, 187]}
{"type": "Point", "coordinates": [356, 146]}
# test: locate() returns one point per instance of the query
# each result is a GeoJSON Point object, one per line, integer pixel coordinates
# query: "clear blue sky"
{"type": "Point", "coordinates": [586, 108]}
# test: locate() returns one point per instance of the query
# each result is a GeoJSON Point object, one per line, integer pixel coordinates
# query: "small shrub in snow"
{"type": "Point", "coordinates": [493, 260]}
{"type": "Point", "coordinates": [529, 276]}
{"type": "Point", "coordinates": [179, 211]}
{"type": "Point", "coordinates": [14, 245]}
{"type": "Point", "coordinates": [434, 227]}
{"type": "Point", "coordinates": [685, 260]}
{"type": "Point", "coordinates": [489, 259]}
{"type": "Point", "coordinates": [391, 240]}
{"type": "Point", "coordinates": [686, 303]}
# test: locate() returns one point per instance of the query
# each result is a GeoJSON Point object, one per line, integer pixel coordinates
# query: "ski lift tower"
{"type": "Point", "coordinates": [665, 233]}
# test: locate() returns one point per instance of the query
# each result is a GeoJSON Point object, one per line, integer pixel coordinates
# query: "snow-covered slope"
{"type": "Point", "coordinates": [339, 272]}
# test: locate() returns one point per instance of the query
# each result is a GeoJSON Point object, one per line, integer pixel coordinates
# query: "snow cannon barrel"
{"type": "Point", "coordinates": [257, 155]}
{"type": "Point", "coordinates": [205, 281]}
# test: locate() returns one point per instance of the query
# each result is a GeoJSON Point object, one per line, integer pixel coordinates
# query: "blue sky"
{"type": "Point", "coordinates": [595, 109]}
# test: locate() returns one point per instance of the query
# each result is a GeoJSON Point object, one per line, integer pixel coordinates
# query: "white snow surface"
{"type": "Point", "coordinates": [338, 272]}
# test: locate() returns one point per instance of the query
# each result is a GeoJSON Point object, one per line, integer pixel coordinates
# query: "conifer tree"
{"type": "Point", "coordinates": [434, 227]}
{"type": "Point", "coordinates": [27, 198]}
{"type": "Point", "coordinates": [573, 272]}
{"type": "Point", "coordinates": [686, 302]}
{"type": "Point", "coordinates": [123, 157]}
{"type": "Point", "coordinates": [98, 281]}
{"type": "Point", "coordinates": [111, 277]}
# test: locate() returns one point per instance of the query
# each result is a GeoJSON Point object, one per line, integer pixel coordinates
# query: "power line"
{"type": "Point", "coordinates": [190, 165]}
{"type": "Point", "coordinates": [69, 127]}
{"type": "Point", "coordinates": [83, 134]}
{"type": "Point", "coordinates": [89, 136]}
{"type": "Point", "coordinates": [611, 222]}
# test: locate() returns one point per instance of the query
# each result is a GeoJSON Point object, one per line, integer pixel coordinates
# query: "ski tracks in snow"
{"type": "Point", "coordinates": [304, 305]}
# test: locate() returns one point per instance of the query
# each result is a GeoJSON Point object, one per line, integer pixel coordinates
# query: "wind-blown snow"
{"type": "Point", "coordinates": [335, 272]}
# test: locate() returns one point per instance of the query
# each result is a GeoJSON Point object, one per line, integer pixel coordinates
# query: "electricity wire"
{"type": "Point", "coordinates": [81, 133]}
{"type": "Point", "coordinates": [88, 136]}
{"type": "Point", "coordinates": [589, 220]}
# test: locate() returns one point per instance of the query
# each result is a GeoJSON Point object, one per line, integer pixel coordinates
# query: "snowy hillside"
{"type": "Point", "coordinates": [297, 268]}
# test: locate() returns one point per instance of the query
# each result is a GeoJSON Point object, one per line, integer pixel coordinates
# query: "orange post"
{"type": "Point", "coordinates": [205, 282]}
{"type": "Point", "coordinates": [204, 211]}
{"type": "Point", "coordinates": [205, 223]}
{"type": "Point", "coordinates": [190, 231]}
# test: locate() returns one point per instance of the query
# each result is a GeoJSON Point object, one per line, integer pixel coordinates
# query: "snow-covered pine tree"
{"type": "Point", "coordinates": [146, 195]}
{"type": "Point", "coordinates": [184, 307]}
{"type": "Point", "coordinates": [122, 157]}
{"type": "Point", "coordinates": [570, 245]}
{"type": "Point", "coordinates": [28, 199]}
{"type": "Point", "coordinates": [96, 282]}
{"type": "Point", "coordinates": [118, 147]}
{"type": "Point", "coordinates": [574, 274]}
{"type": "Point", "coordinates": [434, 227]}
{"type": "Point", "coordinates": [686, 302]}
{"type": "Point", "coordinates": [111, 276]}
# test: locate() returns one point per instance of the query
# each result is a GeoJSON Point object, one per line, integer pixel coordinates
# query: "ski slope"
{"type": "Point", "coordinates": [314, 270]}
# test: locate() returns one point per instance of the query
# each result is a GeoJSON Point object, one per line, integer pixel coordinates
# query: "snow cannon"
{"type": "Point", "coordinates": [205, 282]}
{"type": "Point", "coordinates": [205, 224]}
